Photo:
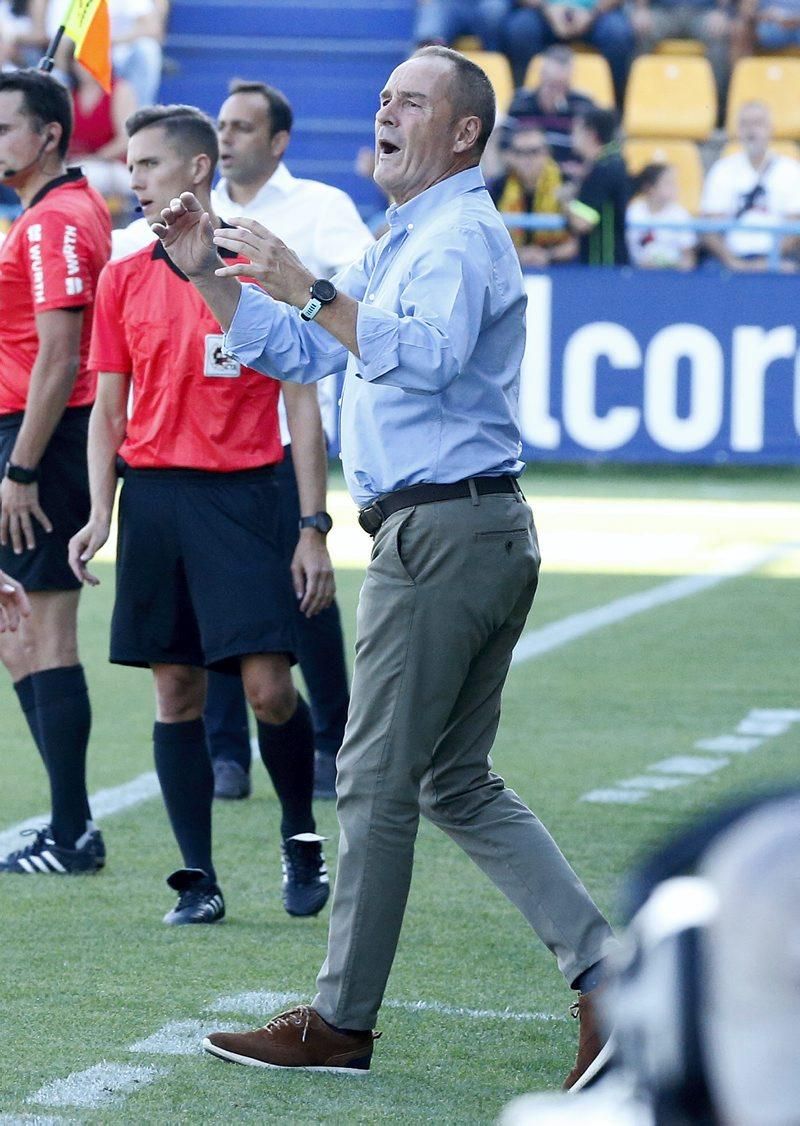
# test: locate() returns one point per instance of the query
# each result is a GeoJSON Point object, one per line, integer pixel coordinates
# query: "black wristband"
{"type": "Point", "coordinates": [20, 475]}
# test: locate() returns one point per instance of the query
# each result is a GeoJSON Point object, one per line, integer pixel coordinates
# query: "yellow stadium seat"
{"type": "Point", "coordinates": [591, 75]}
{"type": "Point", "coordinates": [498, 69]}
{"type": "Point", "coordinates": [671, 96]}
{"type": "Point", "coordinates": [467, 43]}
{"type": "Point", "coordinates": [684, 157]}
{"type": "Point", "coordinates": [782, 148]}
{"type": "Point", "coordinates": [679, 47]}
{"type": "Point", "coordinates": [773, 79]}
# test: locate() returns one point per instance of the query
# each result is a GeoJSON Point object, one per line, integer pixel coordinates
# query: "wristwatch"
{"type": "Point", "coordinates": [322, 293]}
{"type": "Point", "coordinates": [320, 520]}
{"type": "Point", "coordinates": [20, 475]}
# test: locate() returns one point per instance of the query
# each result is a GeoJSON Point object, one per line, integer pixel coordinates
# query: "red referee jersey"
{"type": "Point", "coordinates": [193, 406]}
{"type": "Point", "coordinates": [51, 259]}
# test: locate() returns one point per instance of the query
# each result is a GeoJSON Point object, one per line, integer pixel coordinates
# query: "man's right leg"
{"type": "Point", "coordinates": [182, 761]}
{"type": "Point", "coordinates": [183, 766]}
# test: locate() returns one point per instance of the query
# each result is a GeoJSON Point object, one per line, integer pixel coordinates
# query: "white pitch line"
{"type": "Point", "coordinates": [101, 1085]}
{"type": "Point", "coordinates": [30, 1120]}
{"type": "Point", "coordinates": [181, 1038]}
{"type": "Point", "coordinates": [104, 803]}
{"type": "Point", "coordinates": [533, 644]}
{"type": "Point", "coordinates": [262, 1005]}
{"type": "Point", "coordinates": [537, 642]}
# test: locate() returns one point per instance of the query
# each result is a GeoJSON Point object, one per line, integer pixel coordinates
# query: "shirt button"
{"type": "Point", "coordinates": [410, 227]}
{"type": "Point", "coordinates": [371, 297]}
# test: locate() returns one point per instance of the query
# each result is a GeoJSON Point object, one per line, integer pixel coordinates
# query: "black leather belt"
{"type": "Point", "coordinates": [371, 517]}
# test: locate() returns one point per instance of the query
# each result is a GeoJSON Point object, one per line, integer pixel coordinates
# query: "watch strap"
{"type": "Point", "coordinates": [21, 475]}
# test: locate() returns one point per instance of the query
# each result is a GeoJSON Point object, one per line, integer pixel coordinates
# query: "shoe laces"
{"type": "Point", "coordinates": [36, 845]}
{"type": "Point", "coordinates": [303, 860]}
{"type": "Point", "coordinates": [193, 895]}
{"type": "Point", "coordinates": [298, 1017]}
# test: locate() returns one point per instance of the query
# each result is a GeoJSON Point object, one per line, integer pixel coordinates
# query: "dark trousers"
{"type": "Point", "coordinates": [320, 651]}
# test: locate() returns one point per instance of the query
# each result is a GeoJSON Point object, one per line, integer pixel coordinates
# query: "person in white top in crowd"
{"type": "Point", "coordinates": [656, 199]}
{"type": "Point", "coordinates": [757, 187]}
{"type": "Point", "coordinates": [137, 32]}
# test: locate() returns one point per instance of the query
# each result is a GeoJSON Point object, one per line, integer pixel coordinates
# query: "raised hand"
{"type": "Point", "coordinates": [187, 236]}
{"type": "Point", "coordinates": [271, 263]}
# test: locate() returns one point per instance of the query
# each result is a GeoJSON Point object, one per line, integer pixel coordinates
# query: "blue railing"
{"type": "Point", "coordinates": [699, 226]}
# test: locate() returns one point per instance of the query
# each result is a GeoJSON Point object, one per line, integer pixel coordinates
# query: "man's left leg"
{"type": "Point", "coordinates": [286, 743]}
{"type": "Point", "coordinates": [42, 658]}
{"type": "Point", "coordinates": [464, 797]}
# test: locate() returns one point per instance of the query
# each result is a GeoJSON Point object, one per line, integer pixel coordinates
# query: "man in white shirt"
{"type": "Point", "coordinates": [321, 224]}
{"type": "Point", "coordinates": [758, 188]}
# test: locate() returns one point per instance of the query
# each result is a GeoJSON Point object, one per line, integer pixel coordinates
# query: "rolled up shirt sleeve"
{"type": "Point", "coordinates": [270, 337]}
{"type": "Point", "coordinates": [423, 347]}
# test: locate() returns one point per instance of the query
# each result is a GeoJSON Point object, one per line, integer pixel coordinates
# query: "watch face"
{"type": "Point", "coordinates": [323, 290]}
{"type": "Point", "coordinates": [324, 522]}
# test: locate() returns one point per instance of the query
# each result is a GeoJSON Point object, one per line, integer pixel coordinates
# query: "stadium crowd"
{"type": "Point", "coordinates": [198, 468]}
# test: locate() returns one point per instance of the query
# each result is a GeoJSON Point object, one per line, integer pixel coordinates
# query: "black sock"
{"type": "Point", "coordinates": [183, 766]}
{"type": "Point", "coordinates": [27, 701]}
{"type": "Point", "coordinates": [287, 751]}
{"type": "Point", "coordinates": [64, 720]}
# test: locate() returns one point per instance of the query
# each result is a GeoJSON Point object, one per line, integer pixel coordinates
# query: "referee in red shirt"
{"type": "Point", "coordinates": [49, 265]}
{"type": "Point", "coordinates": [202, 580]}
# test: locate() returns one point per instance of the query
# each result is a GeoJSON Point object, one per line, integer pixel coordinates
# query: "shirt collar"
{"type": "Point", "coordinates": [281, 181]}
{"type": "Point", "coordinates": [71, 176]}
{"type": "Point", "coordinates": [422, 205]}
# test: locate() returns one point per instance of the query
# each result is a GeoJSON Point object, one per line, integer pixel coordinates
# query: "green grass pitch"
{"type": "Point", "coordinates": [89, 971]}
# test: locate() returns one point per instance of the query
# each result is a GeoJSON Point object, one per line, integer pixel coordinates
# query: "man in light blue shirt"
{"type": "Point", "coordinates": [429, 325]}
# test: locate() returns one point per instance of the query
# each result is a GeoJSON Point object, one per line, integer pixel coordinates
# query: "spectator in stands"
{"type": "Point", "coordinates": [22, 32]}
{"type": "Point", "coordinates": [533, 25]}
{"type": "Point", "coordinates": [99, 142]}
{"type": "Point", "coordinates": [754, 187]}
{"type": "Point", "coordinates": [771, 24]}
{"type": "Point", "coordinates": [597, 214]}
{"type": "Point", "coordinates": [137, 31]}
{"type": "Point", "coordinates": [712, 22]}
{"type": "Point", "coordinates": [444, 21]}
{"type": "Point", "coordinates": [552, 107]}
{"type": "Point", "coordinates": [656, 198]}
{"type": "Point", "coordinates": [532, 185]}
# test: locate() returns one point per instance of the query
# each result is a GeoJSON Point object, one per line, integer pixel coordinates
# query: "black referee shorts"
{"type": "Point", "coordinates": [201, 579]}
{"type": "Point", "coordinates": [63, 496]}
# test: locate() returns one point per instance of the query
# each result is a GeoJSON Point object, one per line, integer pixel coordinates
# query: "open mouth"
{"type": "Point", "coordinates": [386, 148]}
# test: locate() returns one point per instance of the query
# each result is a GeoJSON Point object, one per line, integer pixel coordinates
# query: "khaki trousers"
{"type": "Point", "coordinates": [444, 600]}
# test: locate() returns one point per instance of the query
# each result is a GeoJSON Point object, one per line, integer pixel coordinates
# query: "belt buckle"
{"type": "Point", "coordinates": [371, 518]}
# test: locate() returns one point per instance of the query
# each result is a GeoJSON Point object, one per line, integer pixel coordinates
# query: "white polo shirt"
{"type": "Point", "coordinates": [729, 182]}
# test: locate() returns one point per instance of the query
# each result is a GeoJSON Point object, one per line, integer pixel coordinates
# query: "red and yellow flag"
{"type": "Point", "coordinates": [87, 24]}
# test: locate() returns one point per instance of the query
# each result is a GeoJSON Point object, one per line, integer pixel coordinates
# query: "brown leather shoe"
{"type": "Point", "coordinates": [297, 1038]}
{"type": "Point", "coordinates": [595, 1048]}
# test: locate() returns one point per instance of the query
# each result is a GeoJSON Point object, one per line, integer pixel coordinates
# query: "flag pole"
{"type": "Point", "coordinates": [47, 60]}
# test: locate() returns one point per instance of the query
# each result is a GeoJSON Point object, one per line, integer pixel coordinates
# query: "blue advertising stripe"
{"type": "Point", "coordinates": [638, 366]}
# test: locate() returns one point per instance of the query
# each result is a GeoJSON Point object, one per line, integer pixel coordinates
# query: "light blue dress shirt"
{"type": "Point", "coordinates": [441, 333]}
